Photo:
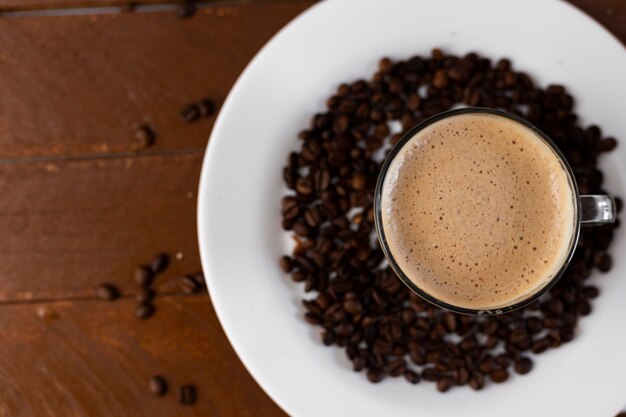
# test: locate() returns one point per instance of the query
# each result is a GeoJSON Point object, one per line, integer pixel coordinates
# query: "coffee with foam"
{"type": "Point", "coordinates": [478, 211]}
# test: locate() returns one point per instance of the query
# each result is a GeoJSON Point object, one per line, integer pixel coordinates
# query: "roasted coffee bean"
{"type": "Point", "coordinates": [418, 357]}
{"type": "Point", "coordinates": [158, 386]}
{"type": "Point", "coordinates": [144, 311]}
{"type": "Point", "coordinates": [499, 375]}
{"type": "Point", "coordinates": [450, 321]}
{"type": "Point", "coordinates": [540, 345]}
{"type": "Point", "coordinates": [490, 327]}
{"type": "Point", "coordinates": [375, 375]}
{"type": "Point", "coordinates": [477, 381]}
{"type": "Point", "coordinates": [160, 263]}
{"type": "Point", "coordinates": [107, 292]}
{"type": "Point", "coordinates": [190, 113]}
{"type": "Point", "coordinates": [206, 108]}
{"type": "Point", "coordinates": [412, 377]}
{"type": "Point", "coordinates": [144, 296]}
{"type": "Point", "coordinates": [437, 54]}
{"type": "Point", "coordinates": [144, 137]}
{"type": "Point", "coordinates": [187, 395]}
{"type": "Point", "coordinates": [301, 229]}
{"type": "Point", "coordinates": [328, 337]}
{"type": "Point", "coordinates": [353, 306]}
{"type": "Point", "coordinates": [583, 307]}
{"type": "Point", "coordinates": [534, 325]}
{"type": "Point", "coordinates": [430, 374]}
{"type": "Point", "coordinates": [440, 79]}
{"type": "Point", "coordinates": [187, 284]}
{"type": "Point", "coordinates": [604, 261]}
{"type": "Point", "coordinates": [607, 145]}
{"type": "Point", "coordinates": [186, 9]}
{"type": "Point", "coordinates": [444, 384]}
{"type": "Point", "coordinates": [396, 367]}
{"type": "Point", "coordinates": [385, 65]}
{"type": "Point", "coordinates": [143, 276]}
{"type": "Point", "coordinates": [590, 292]}
{"type": "Point", "coordinates": [286, 264]}
{"type": "Point", "coordinates": [523, 366]}
{"type": "Point", "coordinates": [358, 300]}
{"type": "Point", "coordinates": [468, 344]}
{"type": "Point", "coordinates": [358, 363]}
{"type": "Point", "coordinates": [503, 360]}
{"type": "Point", "coordinates": [487, 365]}
{"type": "Point", "coordinates": [491, 342]}
{"type": "Point", "coordinates": [298, 276]}
{"type": "Point", "coordinates": [461, 376]}
{"type": "Point", "coordinates": [458, 73]}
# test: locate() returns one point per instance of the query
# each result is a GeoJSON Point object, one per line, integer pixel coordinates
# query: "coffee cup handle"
{"type": "Point", "coordinates": [597, 209]}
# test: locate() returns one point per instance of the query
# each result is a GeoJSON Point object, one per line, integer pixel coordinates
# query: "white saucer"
{"type": "Point", "coordinates": [241, 185]}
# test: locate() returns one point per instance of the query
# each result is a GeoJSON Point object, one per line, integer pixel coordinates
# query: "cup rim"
{"type": "Point", "coordinates": [381, 233]}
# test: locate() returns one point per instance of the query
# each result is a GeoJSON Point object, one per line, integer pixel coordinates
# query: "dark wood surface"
{"type": "Point", "coordinates": [81, 205]}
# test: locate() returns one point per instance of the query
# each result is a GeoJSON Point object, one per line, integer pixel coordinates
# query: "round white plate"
{"type": "Point", "coordinates": [241, 186]}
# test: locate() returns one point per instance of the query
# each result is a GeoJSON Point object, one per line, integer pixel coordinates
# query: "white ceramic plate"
{"type": "Point", "coordinates": [240, 189]}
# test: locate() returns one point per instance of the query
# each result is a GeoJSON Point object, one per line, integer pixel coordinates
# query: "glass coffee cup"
{"type": "Point", "coordinates": [478, 211]}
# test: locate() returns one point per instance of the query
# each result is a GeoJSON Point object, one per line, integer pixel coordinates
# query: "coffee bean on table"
{"type": "Point", "coordinates": [107, 292]}
{"type": "Point", "coordinates": [206, 108]}
{"type": "Point", "coordinates": [187, 395]}
{"type": "Point", "coordinates": [144, 137]}
{"type": "Point", "coordinates": [523, 366]}
{"type": "Point", "coordinates": [144, 296]}
{"type": "Point", "coordinates": [187, 284]}
{"type": "Point", "coordinates": [160, 263]}
{"type": "Point", "coordinates": [158, 386]}
{"type": "Point", "coordinates": [190, 113]}
{"type": "Point", "coordinates": [359, 303]}
{"type": "Point", "coordinates": [200, 281]}
{"type": "Point", "coordinates": [144, 311]}
{"type": "Point", "coordinates": [186, 9]}
{"type": "Point", "coordinates": [143, 276]}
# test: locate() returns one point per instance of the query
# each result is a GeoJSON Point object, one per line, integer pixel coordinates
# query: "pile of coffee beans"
{"type": "Point", "coordinates": [358, 302]}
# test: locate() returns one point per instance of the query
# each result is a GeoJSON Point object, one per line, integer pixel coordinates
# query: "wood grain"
{"type": "Point", "coordinates": [81, 84]}
{"type": "Point", "coordinates": [85, 209]}
{"type": "Point", "coordinates": [32, 5]}
{"type": "Point", "coordinates": [21, 5]}
{"type": "Point", "coordinates": [95, 359]}
{"type": "Point", "coordinates": [69, 225]}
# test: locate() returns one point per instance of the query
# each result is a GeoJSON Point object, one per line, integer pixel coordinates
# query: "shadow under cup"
{"type": "Point", "coordinates": [588, 210]}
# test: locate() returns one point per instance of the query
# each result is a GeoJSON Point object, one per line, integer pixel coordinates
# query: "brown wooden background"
{"type": "Point", "coordinates": [80, 206]}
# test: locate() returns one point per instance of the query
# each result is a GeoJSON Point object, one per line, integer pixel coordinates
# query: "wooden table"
{"type": "Point", "coordinates": [81, 205]}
